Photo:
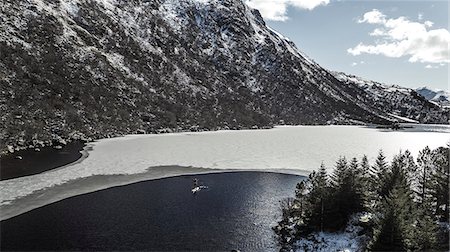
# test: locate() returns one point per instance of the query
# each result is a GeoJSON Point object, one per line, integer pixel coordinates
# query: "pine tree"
{"type": "Point", "coordinates": [340, 172]}
{"type": "Point", "coordinates": [355, 172]}
{"type": "Point", "coordinates": [355, 177]}
{"type": "Point", "coordinates": [390, 231]}
{"type": "Point", "coordinates": [284, 228]}
{"type": "Point", "coordinates": [354, 164]}
{"type": "Point", "coordinates": [425, 174]}
{"type": "Point", "coordinates": [422, 232]}
{"type": "Point", "coordinates": [323, 175]}
{"type": "Point", "coordinates": [380, 165]}
{"type": "Point", "coordinates": [365, 167]}
{"type": "Point", "coordinates": [319, 181]}
{"type": "Point", "coordinates": [404, 224]}
{"type": "Point", "coordinates": [440, 183]}
{"type": "Point", "coordinates": [395, 174]}
{"type": "Point", "coordinates": [359, 181]}
{"type": "Point", "coordinates": [347, 192]}
{"type": "Point", "coordinates": [378, 176]}
{"type": "Point", "coordinates": [317, 199]}
{"type": "Point", "coordinates": [300, 198]}
{"type": "Point", "coordinates": [411, 166]}
{"type": "Point", "coordinates": [394, 225]}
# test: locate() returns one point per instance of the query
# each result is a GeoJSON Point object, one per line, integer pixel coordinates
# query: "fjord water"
{"type": "Point", "coordinates": [237, 211]}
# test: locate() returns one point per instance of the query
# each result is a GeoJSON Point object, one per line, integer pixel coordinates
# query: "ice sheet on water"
{"type": "Point", "coordinates": [286, 148]}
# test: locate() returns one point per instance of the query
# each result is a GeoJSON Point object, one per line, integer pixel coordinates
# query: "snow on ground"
{"type": "Point", "coordinates": [346, 241]}
{"type": "Point", "coordinates": [325, 242]}
{"type": "Point", "coordinates": [287, 149]}
{"type": "Point", "coordinates": [403, 119]}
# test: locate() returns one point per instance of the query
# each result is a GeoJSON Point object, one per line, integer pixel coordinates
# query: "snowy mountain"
{"type": "Point", "coordinates": [403, 104]}
{"type": "Point", "coordinates": [103, 68]}
{"type": "Point", "coordinates": [441, 97]}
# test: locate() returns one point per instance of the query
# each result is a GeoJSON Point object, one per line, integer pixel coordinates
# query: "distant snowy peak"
{"type": "Point", "coordinates": [439, 96]}
{"type": "Point", "coordinates": [396, 102]}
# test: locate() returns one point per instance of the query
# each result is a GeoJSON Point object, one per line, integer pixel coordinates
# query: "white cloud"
{"type": "Point", "coordinates": [277, 9]}
{"type": "Point", "coordinates": [373, 17]}
{"type": "Point", "coordinates": [399, 37]}
{"type": "Point", "coordinates": [431, 66]}
{"type": "Point", "coordinates": [357, 63]}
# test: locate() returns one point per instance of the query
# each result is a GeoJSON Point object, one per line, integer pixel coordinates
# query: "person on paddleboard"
{"type": "Point", "coordinates": [195, 183]}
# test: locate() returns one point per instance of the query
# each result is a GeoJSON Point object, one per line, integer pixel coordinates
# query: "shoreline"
{"type": "Point", "coordinates": [96, 183]}
{"type": "Point", "coordinates": [84, 154]}
{"type": "Point", "coordinates": [163, 131]}
{"type": "Point", "coordinates": [136, 158]}
{"type": "Point", "coordinates": [168, 131]}
{"type": "Point", "coordinates": [31, 161]}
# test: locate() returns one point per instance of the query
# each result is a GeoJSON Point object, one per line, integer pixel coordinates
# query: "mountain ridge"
{"type": "Point", "coordinates": [404, 104]}
{"type": "Point", "coordinates": [441, 97]}
{"type": "Point", "coordinates": [92, 69]}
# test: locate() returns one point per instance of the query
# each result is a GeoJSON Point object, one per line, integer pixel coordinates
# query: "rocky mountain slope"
{"type": "Point", "coordinates": [404, 104]}
{"type": "Point", "coordinates": [102, 68]}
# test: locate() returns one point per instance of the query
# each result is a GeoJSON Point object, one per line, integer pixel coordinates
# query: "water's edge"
{"type": "Point", "coordinates": [31, 162]}
{"type": "Point", "coordinates": [78, 184]}
{"type": "Point", "coordinates": [101, 182]}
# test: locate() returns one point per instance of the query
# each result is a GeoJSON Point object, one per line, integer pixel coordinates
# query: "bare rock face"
{"type": "Point", "coordinates": [102, 68]}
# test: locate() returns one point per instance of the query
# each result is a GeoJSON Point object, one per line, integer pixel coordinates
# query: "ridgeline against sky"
{"type": "Point", "coordinates": [396, 42]}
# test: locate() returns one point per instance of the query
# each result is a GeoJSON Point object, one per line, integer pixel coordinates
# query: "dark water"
{"type": "Point", "coordinates": [34, 162]}
{"type": "Point", "coordinates": [237, 211]}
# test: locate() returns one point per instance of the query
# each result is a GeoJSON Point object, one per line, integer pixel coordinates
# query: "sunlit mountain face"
{"type": "Point", "coordinates": [74, 69]}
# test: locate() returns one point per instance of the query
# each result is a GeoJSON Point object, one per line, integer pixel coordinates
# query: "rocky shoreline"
{"type": "Point", "coordinates": [58, 141]}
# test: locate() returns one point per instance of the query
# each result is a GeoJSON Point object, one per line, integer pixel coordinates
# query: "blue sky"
{"type": "Point", "coordinates": [396, 42]}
